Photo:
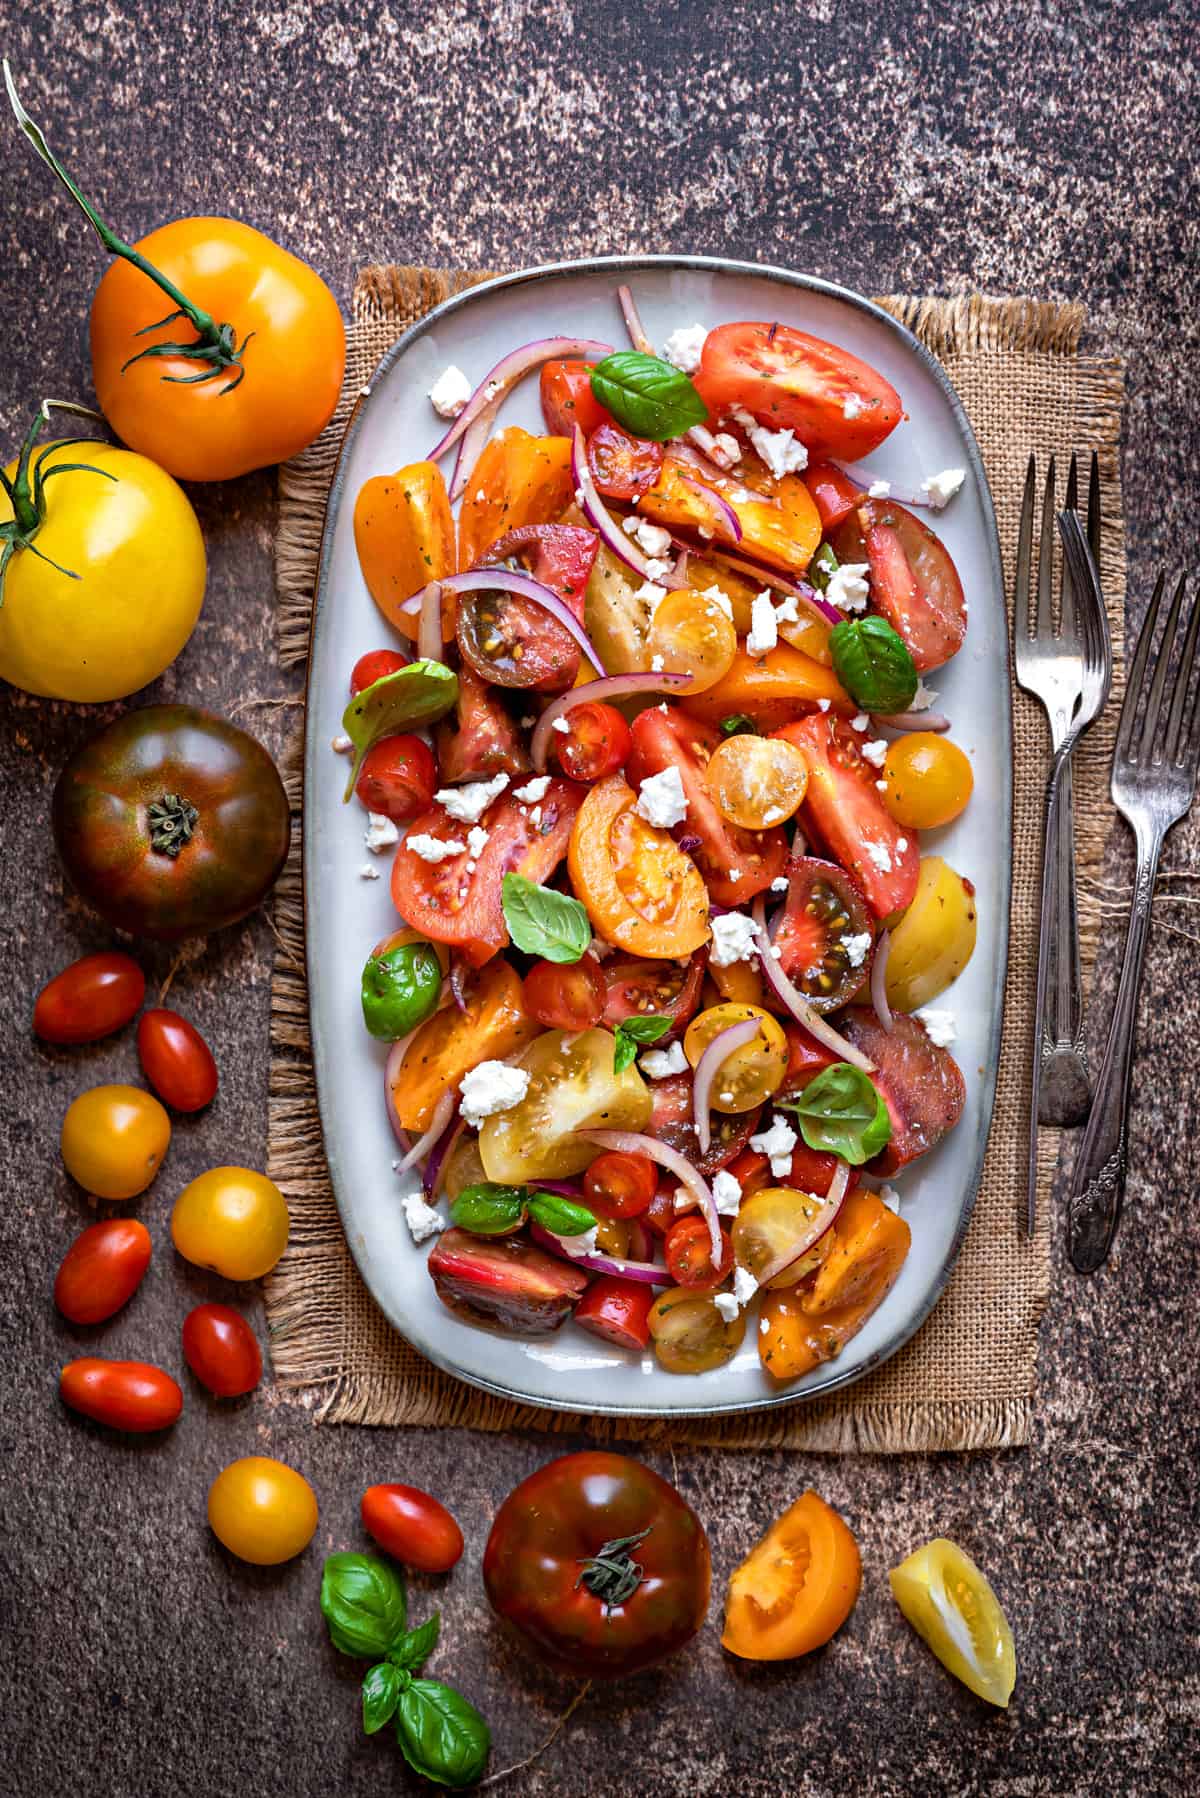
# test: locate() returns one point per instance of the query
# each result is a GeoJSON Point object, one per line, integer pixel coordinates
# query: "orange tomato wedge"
{"type": "Point", "coordinates": [796, 1587]}
{"type": "Point", "coordinates": [641, 891]}
{"type": "Point", "coordinates": [517, 480]}
{"type": "Point", "coordinates": [451, 1042]}
{"type": "Point", "coordinates": [770, 689]}
{"type": "Point", "coordinates": [784, 532]}
{"type": "Point", "coordinates": [404, 535]}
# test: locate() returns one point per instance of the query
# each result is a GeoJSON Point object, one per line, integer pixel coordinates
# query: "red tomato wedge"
{"type": "Point", "coordinates": [479, 738]}
{"type": "Point", "coordinates": [845, 809]}
{"type": "Point", "coordinates": [568, 400]}
{"type": "Point", "coordinates": [450, 905]}
{"type": "Point", "coordinates": [834, 494]}
{"type": "Point", "coordinates": [736, 863]}
{"type": "Point", "coordinates": [623, 467]}
{"type": "Point", "coordinates": [914, 582]}
{"type": "Point", "coordinates": [617, 1311]}
{"type": "Point", "coordinates": [788, 380]}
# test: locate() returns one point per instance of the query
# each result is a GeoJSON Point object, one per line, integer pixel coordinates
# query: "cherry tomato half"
{"type": "Point", "coordinates": [413, 1526]}
{"type": "Point", "coordinates": [102, 1270]}
{"type": "Point", "coordinates": [623, 467]}
{"type": "Point", "coordinates": [93, 997]}
{"type": "Point", "coordinates": [374, 666]}
{"type": "Point", "coordinates": [597, 743]}
{"type": "Point", "coordinates": [566, 997]}
{"type": "Point", "coordinates": [262, 1510]}
{"type": "Point", "coordinates": [125, 1395]}
{"type": "Point", "coordinates": [617, 1311]}
{"type": "Point", "coordinates": [398, 778]}
{"type": "Point", "coordinates": [568, 400]}
{"type": "Point", "coordinates": [929, 780]}
{"type": "Point", "coordinates": [113, 1140]}
{"type": "Point", "coordinates": [176, 1060]}
{"type": "Point", "coordinates": [222, 1350]}
{"type": "Point", "coordinates": [661, 989]}
{"type": "Point", "coordinates": [618, 1185]}
{"type": "Point", "coordinates": [688, 1252]}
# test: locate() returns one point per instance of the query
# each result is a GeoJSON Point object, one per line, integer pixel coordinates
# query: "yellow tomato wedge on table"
{"type": "Point", "coordinates": [404, 535]}
{"type": "Point", "coordinates": [952, 1607]}
{"type": "Point", "coordinates": [796, 1587]}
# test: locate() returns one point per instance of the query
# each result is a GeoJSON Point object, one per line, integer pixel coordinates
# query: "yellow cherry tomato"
{"type": "Point", "coordinates": [232, 1220]}
{"type": "Point", "coordinates": [929, 780]}
{"type": "Point", "coordinates": [953, 1608]}
{"type": "Point", "coordinates": [114, 1139]}
{"type": "Point", "coordinates": [693, 635]}
{"type": "Point", "coordinates": [262, 1510]}
{"type": "Point", "coordinates": [689, 1333]}
{"type": "Point", "coordinates": [757, 782]}
{"type": "Point", "coordinates": [126, 592]}
{"type": "Point", "coordinates": [935, 939]}
{"type": "Point", "coordinates": [753, 1072]}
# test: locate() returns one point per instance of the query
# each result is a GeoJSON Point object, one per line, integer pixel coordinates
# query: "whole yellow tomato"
{"type": "Point", "coordinates": [106, 573]}
{"type": "Point", "coordinates": [262, 1510]}
{"type": "Point", "coordinates": [232, 1220]}
{"type": "Point", "coordinates": [114, 1139]}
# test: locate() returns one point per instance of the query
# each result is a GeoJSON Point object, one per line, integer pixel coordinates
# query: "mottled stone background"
{"type": "Point", "coordinates": [1047, 149]}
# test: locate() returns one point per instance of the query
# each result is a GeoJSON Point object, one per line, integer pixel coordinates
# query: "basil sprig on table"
{"type": "Point", "coordinates": [631, 1034]}
{"type": "Point", "coordinates": [873, 664]}
{"type": "Point", "coordinates": [649, 397]}
{"type": "Point", "coordinates": [492, 1210]}
{"type": "Point", "coordinates": [543, 922]}
{"type": "Point", "coordinates": [842, 1113]}
{"type": "Point", "coordinates": [412, 697]}
{"type": "Point", "coordinates": [441, 1735]}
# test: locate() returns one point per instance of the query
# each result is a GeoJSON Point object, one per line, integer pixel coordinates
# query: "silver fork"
{"type": "Point", "coordinates": [1153, 786]}
{"type": "Point", "coordinates": [1069, 668]}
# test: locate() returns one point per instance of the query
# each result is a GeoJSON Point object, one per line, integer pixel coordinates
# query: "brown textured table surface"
{"type": "Point", "coordinates": [900, 147]}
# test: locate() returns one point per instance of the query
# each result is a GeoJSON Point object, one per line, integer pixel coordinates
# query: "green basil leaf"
{"type": "Point", "coordinates": [631, 1033]}
{"type": "Point", "coordinates": [560, 1216]}
{"type": "Point", "coordinates": [842, 1113]}
{"type": "Point", "coordinates": [873, 664]}
{"type": "Point", "coordinates": [490, 1210]}
{"type": "Point", "coordinates": [543, 922]}
{"type": "Point", "coordinates": [413, 696]}
{"type": "Point", "coordinates": [414, 1649]}
{"type": "Point", "coordinates": [823, 565]}
{"type": "Point", "coordinates": [738, 725]}
{"type": "Point", "coordinates": [362, 1601]}
{"type": "Point", "coordinates": [441, 1735]}
{"type": "Point", "coordinates": [380, 1696]}
{"type": "Point", "coordinates": [649, 397]}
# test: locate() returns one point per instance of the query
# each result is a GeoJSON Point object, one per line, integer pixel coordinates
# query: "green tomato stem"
{"type": "Point", "coordinates": [28, 497]}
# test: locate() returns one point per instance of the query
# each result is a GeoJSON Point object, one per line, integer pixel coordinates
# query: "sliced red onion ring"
{"type": "Point", "coordinates": [718, 506]}
{"type": "Point", "coordinates": [863, 479]}
{"type": "Point", "coordinates": [598, 514]}
{"type": "Point", "coordinates": [443, 1111]}
{"type": "Point", "coordinates": [628, 1142]}
{"type": "Point", "coordinates": [935, 721]}
{"type": "Point", "coordinates": [795, 1001]}
{"type": "Point", "coordinates": [440, 1154]}
{"type": "Point", "coordinates": [429, 633]}
{"type": "Point", "coordinates": [722, 1046]}
{"type": "Point", "coordinates": [648, 1272]}
{"type": "Point", "coordinates": [821, 1221]}
{"type": "Point", "coordinates": [391, 1074]}
{"type": "Point", "coordinates": [612, 686]}
{"type": "Point", "coordinates": [470, 447]}
{"type": "Point", "coordinates": [500, 380]}
{"type": "Point", "coordinates": [508, 580]}
{"type": "Point", "coordinates": [691, 449]}
{"type": "Point", "coordinates": [883, 1010]}
{"type": "Point", "coordinates": [633, 322]}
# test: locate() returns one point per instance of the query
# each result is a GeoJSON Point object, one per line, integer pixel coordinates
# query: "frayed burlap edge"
{"type": "Point", "coordinates": [306, 1295]}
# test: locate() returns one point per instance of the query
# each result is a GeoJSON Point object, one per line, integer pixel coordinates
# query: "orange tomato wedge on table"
{"type": "Point", "coordinates": [796, 1587]}
{"type": "Point", "coordinates": [404, 535]}
{"type": "Point", "coordinates": [641, 891]}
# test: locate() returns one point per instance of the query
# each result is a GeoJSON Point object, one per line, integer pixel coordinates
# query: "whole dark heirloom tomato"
{"type": "Point", "coordinates": [171, 822]}
{"type": "Point", "coordinates": [599, 1565]}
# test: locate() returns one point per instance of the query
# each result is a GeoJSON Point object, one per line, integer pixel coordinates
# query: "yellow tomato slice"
{"type": "Point", "coordinates": [641, 891]}
{"type": "Point", "coordinates": [952, 1607]}
{"type": "Point", "coordinates": [797, 1586]}
{"type": "Point", "coordinates": [935, 938]}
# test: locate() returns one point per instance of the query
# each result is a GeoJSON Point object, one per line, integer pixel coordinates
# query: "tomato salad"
{"type": "Point", "coordinates": [654, 726]}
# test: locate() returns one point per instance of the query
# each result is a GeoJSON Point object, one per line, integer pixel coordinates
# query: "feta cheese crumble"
{"type": "Point", "coordinates": [876, 752]}
{"type": "Point", "coordinates": [859, 722]}
{"type": "Point", "coordinates": [656, 664]}
{"type": "Point", "coordinates": [684, 346]}
{"type": "Point", "coordinates": [651, 537]}
{"type": "Point", "coordinates": [491, 1087]}
{"type": "Point", "coordinates": [467, 804]}
{"type": "Point", "coordinates": [380, 833]}
{"type": "Point", "coordinates": [651, 595]}
{"type": "Point", "coordinates": [341, 745]}
{"type": "Point", "coordinates": [726, 1303]}
{"type": "Point", "coordinates": [939, 1025]}
{"type": "Point", "coordinates": [942, 487]}
{"type": "Point", "coordinates": [661, 799]}
{"type": "Point", "coordinates": [734, 938]}
{"type": "Point", "coordinates": [719, 598]}
{"type": "Point", "coordinates": [367, 872]}
{"type": "Point", "coordinates": [881, 856]}
{"type": "Point", "coordinates": [433, 849]}
{"type": "Point", "coordinates": [744, 1285]}
{"type": "Point", "coordinates": [857, 948]}
{"type": "Point", "coordinates": [923, 698]}
{"type": "Point", "coordinates": [583, 1244]}
{"type": "Point", "coordinates": [780, 884]}
{"type": "Point", "coordinates": [853, 406]}
{"type": "Point", "coordinates": [533, 790]}
{"type": "Point", "coordinates": [561, 725]}
{"type": "Point", "coordinates": [848, 587]}
{"type": "Point", "coordinates": [780, 450]}
{"type": "Point", "coordinates": [660, 1064]}
{"type": "Point", "coordinates": [477, 839]}
{"type": "Point", "coordinates": [422, 1220]}
{"type": "Point", "coordinates": [450, 392]}
{"type": "Point", "coordinates": [776, 1144]}
{"type": "Point", "coordinates": [763, 634]}
{"type": "Point", "coordinates": [890, 1197]}
{"type": "Point", "coordinates": [727, 1193]}
{"type": "Point", "coordinates": [879, 489]}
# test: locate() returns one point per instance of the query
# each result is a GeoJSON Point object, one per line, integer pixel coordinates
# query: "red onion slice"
{"type": "Point", "coordinates": [508, 580]}
{"type": "Point", "coordinates": [722, 1046]}
{"type": "Point", "coordinates": [795, 1001]}
{"type": "Point", "coordinates": [649, 1273]}
{"type": "Point", "coordinates": [470, 448]}
{"type": "Point", "coordinates": [612, 686]}
{"type": "Point", "coordinates": [429, 633]}
{"type": "Point", "coordinates": [818, 1225]}
{"type": "Point", "coordinates": [719, 507]}
{"type": "Point", "coordinates": [440, 1154]}
{"type": "Point", "coordinates": [628, 1142]}
{"type": "Point", "coordinates": [500, 381]}
{"type": "Point", "coordinates": [633, 322]}
{"type": "Point", "coordinates": [391, 1074]}
{"type": "Point", "coordinates": [598, 514]}
{"type": "Point", "coordinates": [883, 1010]}
{"type": "Point", "coordinates": [935, 721]}
{"type": "Point", "coordinates": [863, 479]}
{"type": "Point", "coordinates": [443, 1111]}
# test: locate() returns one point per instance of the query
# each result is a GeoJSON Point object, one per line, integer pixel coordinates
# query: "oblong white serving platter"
{"type": "Point", "coordinates": [393, 424]}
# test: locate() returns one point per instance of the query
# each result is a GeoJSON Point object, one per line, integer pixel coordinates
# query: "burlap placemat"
{"type": "Point", "coordinates": [967, 1379]}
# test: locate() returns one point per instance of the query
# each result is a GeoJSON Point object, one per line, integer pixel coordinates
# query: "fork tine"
{"type": "Point", "coordinates": [1066, 586]}
{"type": "Point", "coordinates": [1045, 582]}
{"type": "Point", "coordinates": [1158, 684]}
{"type": "Point", "coordinates": [1093, 511]}
{"type": "Point", "coordinates": [1133, 685]}
{"type": "Point", "coordinates": [1173, 748]}
{"type": "Point", "coordinates": [1024, 546]}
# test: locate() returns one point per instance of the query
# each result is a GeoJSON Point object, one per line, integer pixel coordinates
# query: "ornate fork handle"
{"type": "Point", "coordinates": [1065, 1096]}
{"type": "Point", "coordinates": [1098, 1182]}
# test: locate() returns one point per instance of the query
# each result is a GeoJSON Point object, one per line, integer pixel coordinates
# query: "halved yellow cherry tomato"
{"type": "Point", "coordinates": [796, 1587]}
{"type": "Point", "coordinates": [233, 1220]}
{"type": "Point", "coordinates": [517, 480]}
{"type": "Point", "coordinates": [935, 938]}
{"type": "Point", "coordinates": [689, 1333]}
{"type": "Point", "coordinates": [113, 1140]}
{"type": "Point", "coordinates": [770, 689]}
{"type": "Point", "coordinates": [691, 634]}
{"type": "Point", "coordinates": [751, 1074]}
{"type": "Point", "coordinates": [262, 1510]}
{"type": "Point", "coordinates": [769, 1223]}
{"type": "Point", "coordinates": [404, 535]}
{"type": "Point", "coordinates": [572, 1088]}
{"type": "Point", "coordinates": [757, 781]}
{"type": "Point", "coordinates": [641, 891]}
{"type": "Point", "coordinates": [953, 1608]}
{"type": "Point", "coordinates": [929, 780]}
